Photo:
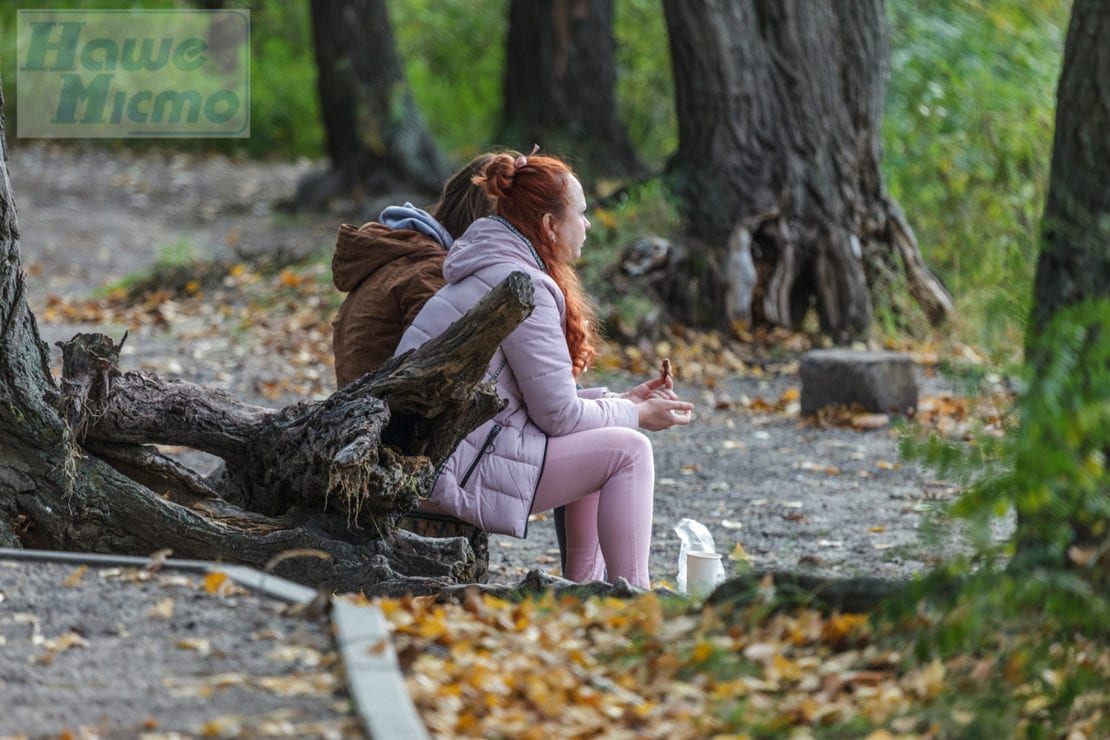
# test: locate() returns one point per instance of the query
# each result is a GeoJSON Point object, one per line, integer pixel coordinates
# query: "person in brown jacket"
{"type": "Point", "coordinates": [389, 268]}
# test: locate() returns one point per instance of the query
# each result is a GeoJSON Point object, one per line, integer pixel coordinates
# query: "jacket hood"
{"type": "Point", "coordinates": [360, 252]}
{"type": "Point", "coordinates": [410, 217]}
{"type": "Point", "coordinates": [489, 240]}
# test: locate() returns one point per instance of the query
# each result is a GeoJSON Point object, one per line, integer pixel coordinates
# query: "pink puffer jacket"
{"type": "Point", "coordinates": [491, 478]}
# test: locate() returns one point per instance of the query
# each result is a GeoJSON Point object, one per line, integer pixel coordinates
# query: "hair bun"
{"type": "Point", "coordinates": [497, 180]}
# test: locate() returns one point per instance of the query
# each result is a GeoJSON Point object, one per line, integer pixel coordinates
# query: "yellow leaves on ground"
{"type": "Point", "coordinates": [701, 357]}
{"type": "Point", "coordinates": [954, 417]}
{"type": "Point", "coordinates": [288, 315]}
{"type": "Point", "coordinates": [547, 668]}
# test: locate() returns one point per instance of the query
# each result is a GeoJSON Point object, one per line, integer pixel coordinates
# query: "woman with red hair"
{"type": "Point", "coordinates": [554, 444]}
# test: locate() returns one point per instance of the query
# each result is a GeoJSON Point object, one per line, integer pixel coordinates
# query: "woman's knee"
{"type": "Point", "coordinates": [633, 447]}
{"type": "Point", "coordinates": [636, 443]}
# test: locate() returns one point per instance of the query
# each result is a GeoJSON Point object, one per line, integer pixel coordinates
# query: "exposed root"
{"type": "Point", "coordinates": [926, 289]}
{"type": "Point", "coordinates": [350, 485]}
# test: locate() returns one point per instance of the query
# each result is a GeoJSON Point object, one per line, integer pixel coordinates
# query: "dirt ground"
{"type": "Point", "coordinates": [127, 652]}
{"type": "Point", "coordinates": [792, 495]}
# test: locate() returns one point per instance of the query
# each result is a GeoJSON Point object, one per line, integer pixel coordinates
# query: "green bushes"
{"type": "Point", "coordinates": [967, 134]}
{"type": "Point", "coordinates": [1022, 626]}
{"type": "Point", "coordinates": [1049, 470]}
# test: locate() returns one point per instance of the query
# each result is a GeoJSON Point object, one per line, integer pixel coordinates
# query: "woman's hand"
{"type": "Point", "coordinates": [654, 388]}
{"type": "Point", "coordinates": [657, 414]}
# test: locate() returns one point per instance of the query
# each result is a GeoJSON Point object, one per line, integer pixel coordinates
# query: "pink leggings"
{"type": "Point", "coordinates": [606, 479]}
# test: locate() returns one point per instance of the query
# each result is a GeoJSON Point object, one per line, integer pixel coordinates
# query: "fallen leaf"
{"type": "Point", "coordinates": [162, 610]}
{"type": "Point", "coordinates": [869, 422]}
{"type": "Point", "coordinates": [299, 684]}
{"type": "Point", "coordinates": [75, 577]}
{"type": "Point", "coordinates": [214, 580]}
{"type": "Point", "coordinates": [738, 555]}
{"type": "Point", "coordinates": [304, 656]}
{"type": "Point", "coordinates": [66, 641]}
{"type": "Point", "coordinates": [201, 645]}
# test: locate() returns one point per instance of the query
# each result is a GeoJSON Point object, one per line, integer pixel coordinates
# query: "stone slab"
{"type": "Point", "coordinates": [875, 381]}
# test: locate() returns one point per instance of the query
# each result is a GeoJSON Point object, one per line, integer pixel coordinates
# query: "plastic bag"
{"type": "Point", "coordinates": [695, 537]}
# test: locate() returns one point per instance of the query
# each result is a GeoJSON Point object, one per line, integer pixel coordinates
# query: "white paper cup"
{"type": "Point", "coordinates": [701, 572]}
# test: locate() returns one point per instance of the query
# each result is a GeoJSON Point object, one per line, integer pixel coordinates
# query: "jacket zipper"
{"type": "Point", "coordinates": [487, 448]}
{"type": "Point", "coordinates": [543, 464]}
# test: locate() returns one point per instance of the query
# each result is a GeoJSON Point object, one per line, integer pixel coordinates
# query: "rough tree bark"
{"type": "Point", "coordinates": [1074, 262]}
{"type": "Point", "coordinates": [561, 85]}
{"type": "Point", "coordinates": [377, 140]}
{"type": "Point", "coordinates": [779, 104]}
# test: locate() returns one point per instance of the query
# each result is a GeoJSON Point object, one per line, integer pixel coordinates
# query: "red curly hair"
{"type": "Point", "coordinates": [522, 194]}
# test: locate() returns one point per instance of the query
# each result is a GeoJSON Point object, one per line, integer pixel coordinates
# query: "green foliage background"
{"type": "Point", "coordinates": [967, 135]}
{"type": "Point", "coordinates": [284, 110]}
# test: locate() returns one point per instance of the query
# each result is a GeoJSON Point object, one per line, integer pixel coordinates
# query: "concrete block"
{"type": "Point", "coordinates": [879, 382]}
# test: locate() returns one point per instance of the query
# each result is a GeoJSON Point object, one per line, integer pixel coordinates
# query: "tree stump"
{"type": "Point", "coordinates": [880, 382]}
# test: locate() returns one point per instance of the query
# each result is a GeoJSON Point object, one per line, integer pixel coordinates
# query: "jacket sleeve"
{"type": "Point", "coordinates": [537, 353]}
{"type": "Point", "coordinates": [593, 393]}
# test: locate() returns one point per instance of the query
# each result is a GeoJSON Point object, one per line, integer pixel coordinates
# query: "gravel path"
{"type": "Point", "coordinates": [792, 495]}
{"type": "Point", "coordinates": [129, 652]}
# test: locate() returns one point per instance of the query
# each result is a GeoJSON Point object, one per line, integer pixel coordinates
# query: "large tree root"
{"type": "Point", "coordinates": [779, 590]}
{"type": "Point", "coordinates": [782, 589]}
{"type": "Point", "coordinates": [333, 477]}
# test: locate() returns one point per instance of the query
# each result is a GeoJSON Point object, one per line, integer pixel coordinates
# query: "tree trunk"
{"type": "Point", "coordinates": [779, 105]}
{"type": "Point", "coordinates": [315, 489]}
{"type": "Point", "coordinates": [1074, 262]}
{"type": "Point", "coordinates": [376, 138]}
{"type": "Point", "coordinates": [560, 85]}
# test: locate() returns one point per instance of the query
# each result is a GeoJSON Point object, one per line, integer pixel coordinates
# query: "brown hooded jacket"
{"type": "Point", "coordinates": [388, 275]}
